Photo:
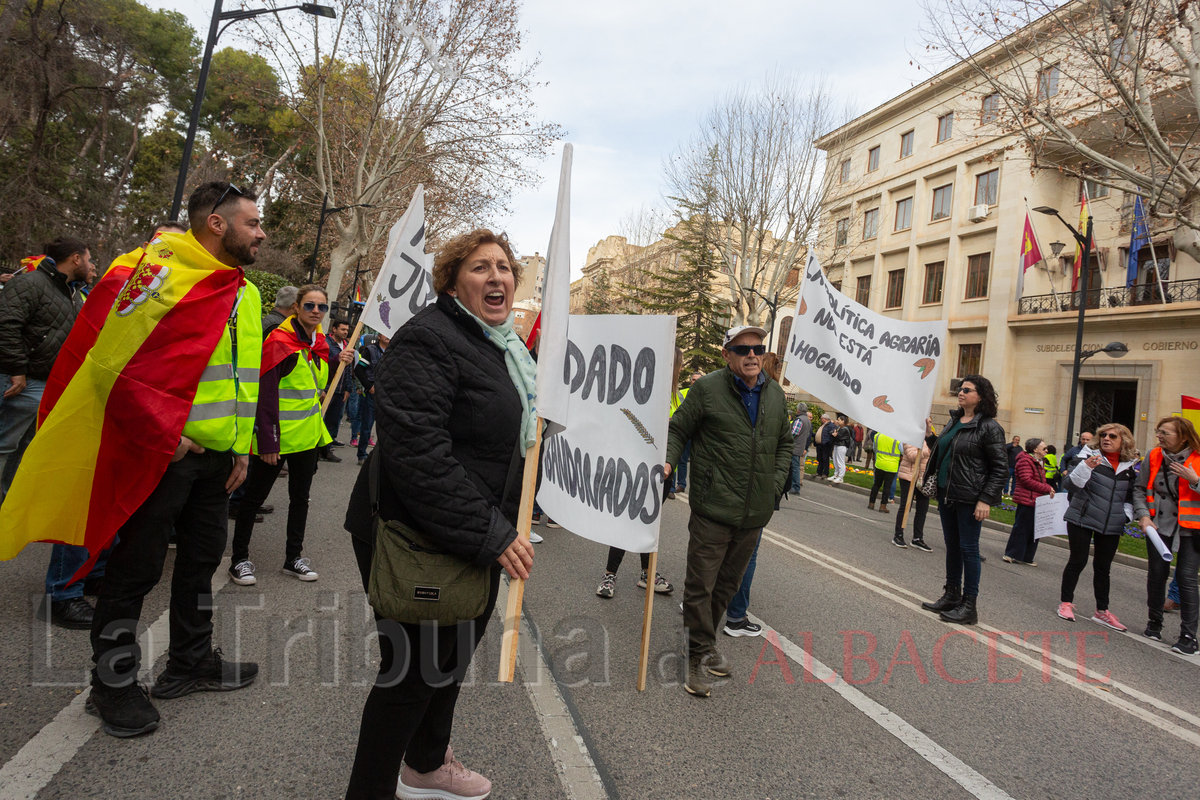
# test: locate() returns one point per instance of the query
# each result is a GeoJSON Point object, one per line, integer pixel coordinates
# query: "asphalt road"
{"type": "Point", "coordinates": [931, 711]}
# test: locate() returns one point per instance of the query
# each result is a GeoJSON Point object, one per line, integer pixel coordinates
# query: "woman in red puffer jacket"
{"type": "Point", "coordinates": [1030, 485]}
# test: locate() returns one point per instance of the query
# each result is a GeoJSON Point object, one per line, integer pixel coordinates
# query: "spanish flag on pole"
{"type": "Point", "coordinates": [119, 395]}
{"type": "Point", "coordinates": [1191, 409]}
{"type": "Point", "coordinates": [1080, 267]}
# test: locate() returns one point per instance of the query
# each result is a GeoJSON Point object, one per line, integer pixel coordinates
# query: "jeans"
{"type": "Point", "coordinates": [366, 418]}
{"type": "Point", "coordinates": [1081, 540]}
{"type": "Point", "coordinates": [17, 414]}
{"type": "Point", "coordinates": [920, 502]}
{"type": "Point", "coordinates": [797, 472]}
{"type": "Point", "coordinates": [1173, 588]}
{"type": "Point", "coordinates": [716, 561]}
{"type": "Point", "coordinates": [190, 497]}
{"type": "Point", "coordinates": [741, 601]}
{"type": "Point", "coordinates": [882, 478]}
{"type": "Point", "coordinates": [1021, 544]}
{"type": "Point", "coordinates": [839, 462]}
{"type": "Point", "coordinates": [333, 416]}
{"type": "Point", "coordinates": [259, 481]}
{"type": "Point", "coordinates": [961, 532]}
{"type": "Point", "coordinates": [1186, 575]}
{"type": "Point", "coordinates": [679, 476]}
{"type": "Point", "coordinates": [352, 413]}
{"type": "Point", "coordinates": [409, 713]}
{"type": "Point", "coordinates": [65, 561]}
{"type": "Point", "coordinates": [1012, 481]}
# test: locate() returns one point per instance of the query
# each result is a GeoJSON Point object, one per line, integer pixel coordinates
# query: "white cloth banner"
{"type": "Point", "coordinates": [1048, 515]}
{"type": "Point", "coordinates": [405, 282]}
{"type": "Point", "coordinates": [602, 476]}
{"type": "Point", "coordinates": [880, 371]}
{"type": "Point", "coordinates": [556, 307]}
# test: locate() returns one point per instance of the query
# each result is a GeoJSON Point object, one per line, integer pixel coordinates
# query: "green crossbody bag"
{"type": "Point", "coordinates": [412, 581]}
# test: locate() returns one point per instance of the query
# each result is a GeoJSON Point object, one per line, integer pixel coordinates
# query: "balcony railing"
{"type": "Point", "coordinates": [1119, 297]}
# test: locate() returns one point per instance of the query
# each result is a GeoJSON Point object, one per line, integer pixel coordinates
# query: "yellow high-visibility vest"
{"type": "Point", "coordinates": [887, 453]}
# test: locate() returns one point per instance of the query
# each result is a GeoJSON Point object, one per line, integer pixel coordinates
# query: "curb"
{"type": "Point", "coordinates": [999, 527]}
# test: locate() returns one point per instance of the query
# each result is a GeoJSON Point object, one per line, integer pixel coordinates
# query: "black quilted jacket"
{"type": "Point", "coordinates": [448, 418]}
{"type": "Point", "coordinates": [978, 461]}
{"type": "Point", "coordinates": [37, 310]}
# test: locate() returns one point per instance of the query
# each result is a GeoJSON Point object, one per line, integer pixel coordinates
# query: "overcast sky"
{"type": "Point", "coordinates": [629, 79]}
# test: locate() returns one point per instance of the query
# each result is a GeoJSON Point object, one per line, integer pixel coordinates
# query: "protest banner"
{"type": "Point", "coordinates": [878, 370]}
{"type": "Point", "coordinates": [1048, 515]}
{"type": "Point", "coordinates": [404, 284]}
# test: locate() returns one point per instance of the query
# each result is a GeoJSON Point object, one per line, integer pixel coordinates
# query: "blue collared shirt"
{"type": "Point", "coordinates": [750, 396]}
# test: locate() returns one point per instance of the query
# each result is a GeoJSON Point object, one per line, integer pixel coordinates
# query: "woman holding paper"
{"type": "Point", "coordinates": [971, 468]}
{"type": "Point", "coordinates": [1031, 484]}
{"type": "Point", "coordinates": [1166, 498]}
{"type": "Point", "coordinates": [456, 399]}
{"type": "Point", "coordinates": [1096, 517]}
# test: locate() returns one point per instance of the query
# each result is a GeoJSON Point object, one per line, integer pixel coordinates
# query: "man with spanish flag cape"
{"type": "Point", "coordinates": [289, 428]}
{"type": "Point", "coordinates": [145, 426]}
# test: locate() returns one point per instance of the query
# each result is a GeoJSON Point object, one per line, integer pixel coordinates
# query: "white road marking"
{"type": "Point", "coordinates": [572, 761]}
{"type": "Point", "coordinates": [36, 764]}
{"type": "Point", "coordinates": [1068, 676]}
{"type": "Point", "coordinates": [922, 745]}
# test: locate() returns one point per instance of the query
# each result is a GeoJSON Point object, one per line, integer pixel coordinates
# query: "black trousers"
{"type": "Point", "coordinates": [410, 710]}
{"type": "Point", "coordinates": [1021, 544]}
{"type": "Point", "coordinates": [301, 467]}
{"type": "Point", "coordinates": [1080, 540]}
{"type": "Point", "coordinates": [921, 510]}
{"type": "Point", "coordinates": [883, 479]}
{"type": "Point", "coordinates": [1185, 572]}
{"type": "Point", "coordinates": [333, 416]}
{"type": "Point", "coordinates": [616, 554]}
{"type": "Point", "coordinates": [824, 453]}
{"type": "Point", "coordinates": [191, 498]}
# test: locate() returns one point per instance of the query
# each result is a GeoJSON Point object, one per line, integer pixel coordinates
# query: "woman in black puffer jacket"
{"type": "Point", "coordinates": [971, 467]}
{"type": "Point", "coordinates": [1101, 504]}
{"type": "Point", "coordinates": [453, 430]}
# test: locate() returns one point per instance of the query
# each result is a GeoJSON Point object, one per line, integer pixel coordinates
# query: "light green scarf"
{"type": "Point", "coordinates": [522, 369]}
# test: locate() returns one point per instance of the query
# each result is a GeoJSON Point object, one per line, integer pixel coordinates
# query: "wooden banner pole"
{"type": "Point", "coordinates": [337, 376]}
{"type": "Point", "coordinates": [516, 586]}
{"type": "Point", "coordinates": [914, 486]}
{"type": "Point", "coordinates": [644, 658]}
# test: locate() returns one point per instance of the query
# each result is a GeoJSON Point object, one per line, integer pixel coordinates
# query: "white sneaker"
{"type": "Point", "coordinates": [535, 539]}
{"type": "Point", "coordinates": [299, 569]}
{"type": "Point", "coordinates": [242, 573]}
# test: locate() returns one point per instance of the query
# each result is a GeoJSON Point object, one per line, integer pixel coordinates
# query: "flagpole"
{"type": "Point", "coordinates": [516, 586]}
{"type": "Point", "coordinates": [1162, 293]}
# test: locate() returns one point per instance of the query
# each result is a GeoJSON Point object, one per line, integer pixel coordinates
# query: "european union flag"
{"type": "Point", "coordinates": [1139, 239]}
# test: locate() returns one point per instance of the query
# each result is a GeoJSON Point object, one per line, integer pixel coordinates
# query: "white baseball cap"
{"type": "Point", "coordinates": [733, 333]}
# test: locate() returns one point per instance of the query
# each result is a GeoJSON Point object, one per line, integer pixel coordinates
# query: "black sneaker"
{"type": "Point", "coordinates": [743, 628]}
{"type": "Point", "coordinates": [211, 675]}
{"type": "Point", "coordinates": [1186, 646]}
{"type": "Point", "coordinates": [298, 568]}
{"type": "Point", "coordinates": [336, 443]}
{"type": "Point", "coordinates": [898, 540]}
{"type": "Point", "coordinates": [1153, 632]}
{"type": "Point", "coordinates": [920, 545]}
{"type": "Point", "coordinates": [74, 614]}
{"type": "Point", "coordinates": [123, 712]}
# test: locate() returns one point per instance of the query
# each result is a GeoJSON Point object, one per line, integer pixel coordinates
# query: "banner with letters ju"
{"type": "Point", "coordinates": [405, 282]}
{"type": "Point", "coordinates": [602, 475]}
{"type": "Point", "coordinates": [880, 371]}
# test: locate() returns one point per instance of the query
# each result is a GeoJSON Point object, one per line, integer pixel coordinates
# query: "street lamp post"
{"type": "Point", "coordinates": [327, 212]}
{"type": "Point", "coordinates": [214, 32]}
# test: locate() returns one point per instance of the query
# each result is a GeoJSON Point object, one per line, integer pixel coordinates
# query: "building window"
{"type": "Point", "coordinates": [990, 109]}
{"type": "Point", "coordinates": [1094, 189]}
{"type": "Point", "coordinates": [1047, 83]}
{"type": "Point", "coordinates": [904, 214]}
{"type": "Point", "coordinates": [873, 159]}
{"type": "Point", "coordinates": [793, 278]}
{"type": "Point", "coordinates": [862, 294]}
{"type": "Point", "coordinates": [943, 197]}
{"type": "Point", "coordinates": [977, 275]}
{"type": "Point", "coordinates": [871, 223]}
{"type": "Point", "coordinates": [987, 188]}
{"type": "Point", "coordinates": [934, 273]}
{"type": "Point", "coordinates": [841, 235]}
{"type": "Point", "coordinates": [906, 144]}
{"type": "Point", "coordinates": [845, 170]}
{"type": "Point", "coordinates": [895, 292]}
{"type": "Point", "coordinates": [945, 127]}
{"type": "Point", "coordinates": [969, 358]}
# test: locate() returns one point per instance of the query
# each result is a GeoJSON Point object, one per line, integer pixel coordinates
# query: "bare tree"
{"type": "Point", "coordinates": [1104, 91]}
{"type": "Point", "coordinates": [755, 151]}
{"type": "Point", "coordinates": [400, 92]}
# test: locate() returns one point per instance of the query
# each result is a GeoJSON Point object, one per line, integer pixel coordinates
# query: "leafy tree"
{"type": "Point", "coordinates": [600, 298]}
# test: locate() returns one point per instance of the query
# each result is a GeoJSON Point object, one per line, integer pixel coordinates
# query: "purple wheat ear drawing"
{"type": "Point", "coordinates": [385, 309]}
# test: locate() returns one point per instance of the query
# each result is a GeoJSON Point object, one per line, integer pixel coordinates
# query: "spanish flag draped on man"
{"type": "Point", "coordinates": [145, 427]}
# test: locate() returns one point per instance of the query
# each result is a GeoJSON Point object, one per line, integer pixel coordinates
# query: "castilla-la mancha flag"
{"type": "Point", "coordinates": [119, 395]}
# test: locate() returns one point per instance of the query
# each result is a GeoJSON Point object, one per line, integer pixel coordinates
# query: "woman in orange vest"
{"type": "Point", "coordinates": [1167, 497]}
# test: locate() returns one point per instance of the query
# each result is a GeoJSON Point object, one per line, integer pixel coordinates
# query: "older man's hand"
{"type": "Point", "coordinates": [667, 470]}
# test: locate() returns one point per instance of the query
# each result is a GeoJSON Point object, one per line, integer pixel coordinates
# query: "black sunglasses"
{"type": "Point", "coordinates": [747, 349]}
{"type": "Point", "coordinates": [225, 194]}
{"type": "Point", "coordinates": [314, 306]}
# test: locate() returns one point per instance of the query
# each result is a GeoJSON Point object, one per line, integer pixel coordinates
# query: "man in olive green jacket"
{"type": "Point", "coordinates": [736, 419]}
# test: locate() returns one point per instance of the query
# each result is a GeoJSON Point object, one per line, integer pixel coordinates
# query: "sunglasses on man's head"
{"type": "Point", "coordinates": [225, 194]}
{"type": "Point", "coordinates": [323, 307]}
{"type": "Point", "coordinates": [747, 349]}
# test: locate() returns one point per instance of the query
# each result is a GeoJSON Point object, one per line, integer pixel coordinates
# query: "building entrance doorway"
{"type": "Point", "coordinates": [1109, 401]}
